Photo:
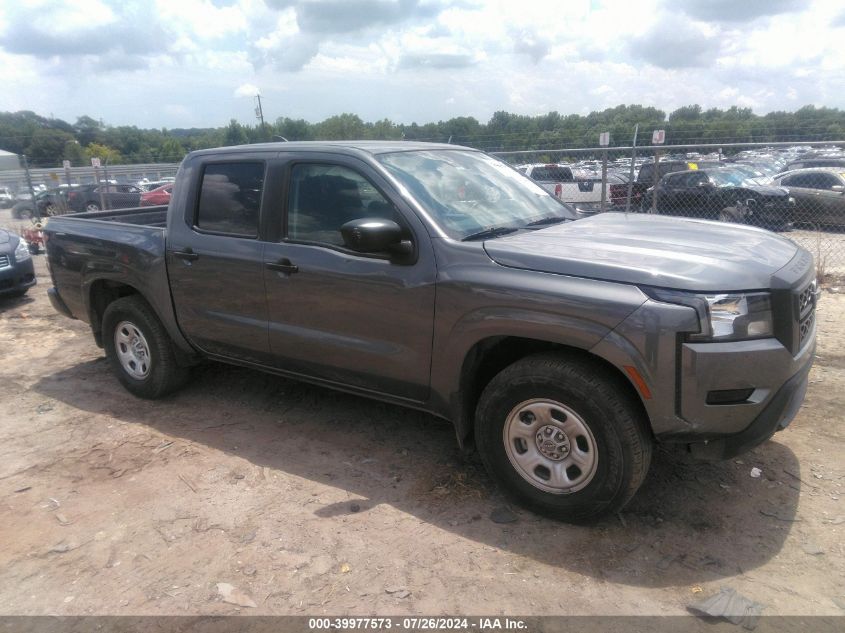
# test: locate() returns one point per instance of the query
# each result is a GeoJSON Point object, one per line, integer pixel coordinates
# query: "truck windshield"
{"type": "Point", "coordinates": [468, 192]}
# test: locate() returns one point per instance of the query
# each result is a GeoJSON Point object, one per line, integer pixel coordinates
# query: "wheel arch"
{"type": "Point", "coordinates": [101, 292]}
{"type": "Point", "coordinates": [489, 356]}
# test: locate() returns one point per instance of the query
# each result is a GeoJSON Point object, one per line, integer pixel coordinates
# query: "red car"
{"type": "Point", "coordinates": [158, 196]}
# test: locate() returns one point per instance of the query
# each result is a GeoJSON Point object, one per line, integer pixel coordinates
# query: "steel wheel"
{"type": "Point", "coordinates": [132, 350]}
{"type": "Point", "coordinates": [550, 446]}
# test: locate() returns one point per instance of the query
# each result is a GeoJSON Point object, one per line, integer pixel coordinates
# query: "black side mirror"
{"type": "Point", "coordinates": [371, 235]}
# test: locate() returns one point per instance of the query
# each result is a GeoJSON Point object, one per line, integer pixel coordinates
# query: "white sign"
{"type": "Point", "coordinates": [604, 139]}
{"type": "Point", "coordinates": [659, 137]}
{"type": "Point", "coordinates": [95, 162]}
{"type": "Point", "coordinates": [66, 164]}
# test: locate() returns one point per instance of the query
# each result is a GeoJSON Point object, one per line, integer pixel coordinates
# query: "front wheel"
{"type": "Point", "coordinates": [139, 349]}
{"type": "Point", "coordinates": [730, 214]}
{"type": "Point", "coordinates": [563, 436]}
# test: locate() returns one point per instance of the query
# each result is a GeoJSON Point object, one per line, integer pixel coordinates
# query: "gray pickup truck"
{"type": "Point", "coordinates": [439, 278]}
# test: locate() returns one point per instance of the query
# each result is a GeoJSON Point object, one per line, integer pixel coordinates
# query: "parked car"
{"type": "Point", "coordinates": [49, 202]}
{"type": "Point", "coordinates": [152, 184]}
{"type": "Point", "coordinates": [819, 194]}
{"type": "Point", "coordinates": [560, 181]}
{"type": "Point", "coordinates": [160, 195]}
{"type": "Point", "coordinates": [646, 180]}
{"type": "Point", "coordinates": [114, 196]}
{"type": "Point", "coordinates": [724, 194]}
{"type": "Point", "coordinates": [438, 278]}
{"type": "Point", "coordinates": [804, 163]}
{"type": "Point", "coordinates": [17, 274]}
{"type": "Point", "coordinates": [7, 198]}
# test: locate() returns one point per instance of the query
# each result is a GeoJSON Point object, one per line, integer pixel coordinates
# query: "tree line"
{"type": "Point", "coordinates": [48, 141]}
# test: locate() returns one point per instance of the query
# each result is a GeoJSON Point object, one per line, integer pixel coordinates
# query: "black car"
{"type": "Point", "coordinates": [50, 202]}
{"type": "Point", "coordinates": [724, 194]}
{"type": "Point", "coordinates": [17, 274]}
{"type": "Point", "coordinates": [113, 196]}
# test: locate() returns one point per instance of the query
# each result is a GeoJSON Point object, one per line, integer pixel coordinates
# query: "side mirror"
{"type": "Point", "coordinates": [371, 235]}
{"type": "Point", "coordinates": [838, 188]}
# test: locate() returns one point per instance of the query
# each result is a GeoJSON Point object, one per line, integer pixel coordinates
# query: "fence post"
{"type": "Point", "coordinates": [31, 188]}
{"type": "Point", "coordinates": [633, 165]}
{"type": "Point", "coordinates": [656, 179]}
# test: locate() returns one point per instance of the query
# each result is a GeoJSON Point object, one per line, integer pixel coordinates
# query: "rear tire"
{"type": "Point", "coordinates": [91, 207]}
{"type": "Point", "coordinates": [139, 349]}
{"type": "Point", "coordinates": [563, 437]}
{"type": "Point", "coordinates": [730, 214]}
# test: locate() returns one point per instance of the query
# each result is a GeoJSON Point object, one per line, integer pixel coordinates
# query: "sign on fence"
{"type": "Point", "coordinates": [658, 137]}
{"type": "Point", "coordinates": [604, 139]}
{"type": "Point", "coordinates": [95, 162]}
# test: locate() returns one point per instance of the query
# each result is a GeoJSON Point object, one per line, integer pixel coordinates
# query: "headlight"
{"type": "Point", "coordinates": [724, 316]}
{"type": "Point", "coordinates": [22, 252]}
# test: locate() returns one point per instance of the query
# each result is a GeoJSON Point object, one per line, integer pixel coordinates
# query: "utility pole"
{"type": "Point", "coordinates": [259, 113]}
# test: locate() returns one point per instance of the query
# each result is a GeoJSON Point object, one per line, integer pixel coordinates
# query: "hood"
{"type": "Point", "coordinates": [8, 241]}
{"type": "Point", "coordinates": [650, 250]}
{"type": "Point", "coordinates": [768, 190]}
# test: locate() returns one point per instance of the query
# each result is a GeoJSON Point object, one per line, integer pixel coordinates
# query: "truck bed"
{"type": "Point", "coordinates": [116, 247]}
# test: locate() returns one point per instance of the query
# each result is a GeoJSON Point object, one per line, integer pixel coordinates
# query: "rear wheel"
{"type": "Point", "coordinates": [92, 206]}
{"type": "Point", "coordinates": [730, 214]}
{"type": "Point", "coordinates": [139, 349]}
{"type": "Point", "coordinates": [563, 437]}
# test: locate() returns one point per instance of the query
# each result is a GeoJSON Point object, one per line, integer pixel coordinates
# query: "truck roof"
{"type": "Point", "coordinates": [339, 147]}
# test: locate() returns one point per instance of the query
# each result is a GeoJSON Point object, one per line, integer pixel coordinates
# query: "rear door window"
{"type": "Point", "coordinates": [230, 198]}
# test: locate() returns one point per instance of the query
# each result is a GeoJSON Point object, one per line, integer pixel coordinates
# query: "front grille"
{"type": "Point", "coordinates": [805, 327]}
{"type": "Point", "coordinates": [806, 312]}
{"type": "Point", "coordinates": [805, 299]}
{"type": "Point", "coordinates": [5, 262]}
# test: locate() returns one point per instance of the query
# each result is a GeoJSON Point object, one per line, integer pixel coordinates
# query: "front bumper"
{"type": "Point", "coordinates": [776, 416]}
{"type": "Point", "coordinates": [17, 277]}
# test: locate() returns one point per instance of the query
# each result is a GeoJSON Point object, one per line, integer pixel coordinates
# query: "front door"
{"type": "Point", "coordinates": [352, 319]}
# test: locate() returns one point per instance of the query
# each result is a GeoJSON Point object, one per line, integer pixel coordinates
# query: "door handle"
{"type": "Point", "coordinates": [187, 255]}
{"type": "Point", "coordinates": [284, 265]}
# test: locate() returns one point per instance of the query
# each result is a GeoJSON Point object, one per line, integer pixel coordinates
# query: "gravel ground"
{"type": "Point", "coordinates": [307, 501]}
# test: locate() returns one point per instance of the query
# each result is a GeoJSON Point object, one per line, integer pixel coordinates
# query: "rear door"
{"type": "Point", "coordinates": [215, 256]}
{"type": "Point", "coordinates": [352, 319]}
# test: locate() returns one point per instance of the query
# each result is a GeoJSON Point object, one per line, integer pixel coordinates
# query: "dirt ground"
{"type": "Point", "coordinates": [307, 501]}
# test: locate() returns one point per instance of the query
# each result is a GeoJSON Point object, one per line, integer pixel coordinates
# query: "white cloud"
{"type": "Point", "coordinates": [413, 60]}
{"type": "Point", "coordinates": [246, 90]}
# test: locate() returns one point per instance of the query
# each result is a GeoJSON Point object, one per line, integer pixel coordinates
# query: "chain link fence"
{"type": "Point", "coordinates": [798, 190]}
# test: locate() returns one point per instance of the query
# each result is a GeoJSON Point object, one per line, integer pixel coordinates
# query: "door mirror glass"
{"type": "Point", "coordinates": [371, 235]}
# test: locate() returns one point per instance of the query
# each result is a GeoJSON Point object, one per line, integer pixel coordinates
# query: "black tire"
{"type": "Point", "coordinates": [730, 214]}
{"type": "Point", "coordinates": [615, 419]}
{"type": "Point", "coordinates": [91, 207]}
{"type": "Point", "coordinates": [164, 374]}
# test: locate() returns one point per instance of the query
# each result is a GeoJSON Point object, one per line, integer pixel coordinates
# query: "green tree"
{"type": "Point", "coordinates": [46, 147]}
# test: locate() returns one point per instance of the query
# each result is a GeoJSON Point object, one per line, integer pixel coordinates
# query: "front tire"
{"type": "Point", "coordinates": [731, 215]}
{"type": "Point", "coordinates": [563, 436]}
{"type": "Point", "coordinates": [139, 349]}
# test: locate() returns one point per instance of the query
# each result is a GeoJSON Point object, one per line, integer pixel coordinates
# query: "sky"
{"type": "Point", "coordinates": [200, 63]}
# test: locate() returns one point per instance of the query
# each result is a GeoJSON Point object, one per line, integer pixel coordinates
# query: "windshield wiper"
{"type": "Point", "coordinates": [492, 231]}
{"type": "Point", "coordinates": [554, 219]}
